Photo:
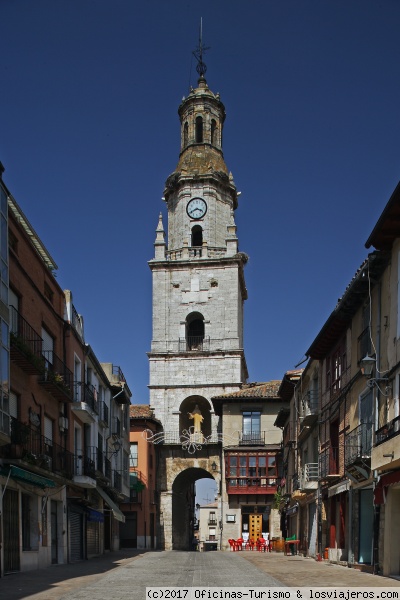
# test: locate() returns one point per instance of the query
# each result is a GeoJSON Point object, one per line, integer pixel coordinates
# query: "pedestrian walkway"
{"type": "Point", "coordinates": [125, 574]}
{"type": "Point", "coordinates": [297, 571]}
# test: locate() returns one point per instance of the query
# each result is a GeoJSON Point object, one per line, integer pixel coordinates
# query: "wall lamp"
{"type": "Point", "coordinates": [368, 364]}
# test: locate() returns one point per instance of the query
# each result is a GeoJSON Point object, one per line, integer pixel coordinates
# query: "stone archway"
{"type": "Point", "coordinates": [183, 506]}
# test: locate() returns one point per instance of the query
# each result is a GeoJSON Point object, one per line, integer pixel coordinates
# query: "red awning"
{"type": "Point", "coordinates": [385, 481]}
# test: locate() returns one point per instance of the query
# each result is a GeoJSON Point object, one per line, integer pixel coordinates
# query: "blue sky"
{"type": "Point", "coordinates": [89, 132]}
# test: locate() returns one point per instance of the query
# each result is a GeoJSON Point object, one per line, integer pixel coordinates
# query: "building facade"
{"type": "Point", "coordinates": [64, 446]}
{"type": "Point", "coordinates": [141, 508]}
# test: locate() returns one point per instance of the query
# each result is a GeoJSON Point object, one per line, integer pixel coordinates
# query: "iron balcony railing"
{"type": "Point", "coordinates": [358, 443]}
{"type": "Point", "coordinates": [103, 412]}
{"type": "Point", "coordinates": [25, 340]}
{"type": "Point", "coordinates": [289, 433]}
{"type": "Point", "coordinates": [329, 462]}
{"type": "Point", "coordinates": [174, 437]}
{"type": "Point", "coordinates": [391, 429]}
{"type": "Point", "coordinates": [34, 448]}
{"type": "Point", "coordinates": [116, 427]}
{"type": "Point", "coordinates": [194, 343]}
{"type": "Point", "coordinates": [252, 439]}
{"type": "Point", "coordinates": [87, 393]}
{"type": "Point", "coordinates": [117, 371]}
{"type": "Point", "coordinates": [309, 404]}
{"type": "Point", "coordinates": [212, 521]}
{"type": "Point", "coordinates": [57, 373]}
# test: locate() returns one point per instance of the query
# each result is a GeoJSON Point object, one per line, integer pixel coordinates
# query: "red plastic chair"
{"type": "Point", "coordinates": [232, 544]}
{"type": "Point", "coordinates": [239, 544]}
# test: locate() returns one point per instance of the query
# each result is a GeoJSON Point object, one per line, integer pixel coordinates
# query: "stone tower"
{"type": "Point", "coordinates": [198, 296]}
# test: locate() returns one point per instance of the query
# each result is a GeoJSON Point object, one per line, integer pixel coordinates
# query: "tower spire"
{"type": "Point", "coordinates": [201, 67]}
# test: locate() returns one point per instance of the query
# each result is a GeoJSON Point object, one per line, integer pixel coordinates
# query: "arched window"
{"type": "Point", "coordinates": [213, 131]}
{"type": "Point", "coordinates": [197, 236]}
{"type": "Point", "coordinates": [199, 130]}
{"type": "Point", "coordinates": [185, 134]}
{"type": "Point", "coordinates": [195, 331]}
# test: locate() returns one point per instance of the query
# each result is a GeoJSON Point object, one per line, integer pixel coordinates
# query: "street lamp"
{"type": "Point", "coordinates": [368, 364]}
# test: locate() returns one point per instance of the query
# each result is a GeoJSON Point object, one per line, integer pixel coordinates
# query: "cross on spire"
{"type": "Point", "coordinates": [201, 68]}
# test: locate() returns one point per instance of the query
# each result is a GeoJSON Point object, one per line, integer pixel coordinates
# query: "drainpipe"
{"type": "Point", "coordinates": [375, 533]}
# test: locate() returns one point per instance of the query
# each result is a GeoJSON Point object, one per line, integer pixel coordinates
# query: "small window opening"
{"type": "Point", "coordinates": [197, 236]}
{"type": "Point", "coordinates": [199, 130]}
{"type": "Point", "coordinates": [213, 132]}
{"type": "Point", "coordinates": [185, 134]}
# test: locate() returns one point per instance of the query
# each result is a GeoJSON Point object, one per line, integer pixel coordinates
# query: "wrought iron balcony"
{"type": "Point", "coordinates": [26, 345]}
{"type": "Point", "coordinates": [289, 433]}
{"type": "Point", "coordinates": [252, 439]}
{"type": "Point", "coordinates": [37, 450]}
{"type": "Point", "coordinates": [329, 463]}
{"type": "Point", "coordinates": [391, 429]}
{"type": "Point", "coordinates": [103, 413]}
{"type": "Point", "coordinates": [56, 377]}
{"type": "Point", "coordinates": [358, 444]}
{"type": "Point", "coordinates": [309, 408]}
{"type": "Point", "coordinates": [194, 343]}
{"type": "Point", "coordinates": [87, 394]}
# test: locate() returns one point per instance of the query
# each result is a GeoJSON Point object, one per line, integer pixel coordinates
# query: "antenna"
{"type": "Point", "coordinates": [198, 53]}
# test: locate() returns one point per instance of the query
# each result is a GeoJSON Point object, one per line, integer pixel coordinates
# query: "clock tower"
{"type": "Point", "coordinates": [198, 295]}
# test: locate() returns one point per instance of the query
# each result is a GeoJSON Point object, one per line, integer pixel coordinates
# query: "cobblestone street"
{"type": "Point", "coordinates": [126, 574]}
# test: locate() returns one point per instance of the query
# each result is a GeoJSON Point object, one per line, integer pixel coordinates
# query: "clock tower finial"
{"type": "Point", "coordinates": [201, 67]}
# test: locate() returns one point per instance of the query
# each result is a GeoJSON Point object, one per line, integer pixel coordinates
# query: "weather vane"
{"type": "Point", "coordinates": [198, 53]}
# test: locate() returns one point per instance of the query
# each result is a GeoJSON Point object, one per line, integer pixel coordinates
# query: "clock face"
{"type": "Point", "coordinates": [196, 208]}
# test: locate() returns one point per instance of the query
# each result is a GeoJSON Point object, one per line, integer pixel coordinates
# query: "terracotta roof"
{"type": "Point", "coordinates": [267, 389]}
{"type": "Point", "coordinates": [141, 411]}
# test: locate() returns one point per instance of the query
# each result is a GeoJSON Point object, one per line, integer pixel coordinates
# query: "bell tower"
{"type": "Point", "coordinates": [198, 296]}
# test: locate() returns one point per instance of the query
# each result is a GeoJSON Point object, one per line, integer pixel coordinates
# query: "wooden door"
{"type": "Point", "coordinates": [255, 527]}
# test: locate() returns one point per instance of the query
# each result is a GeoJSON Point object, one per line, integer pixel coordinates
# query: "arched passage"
{"type": "Point", "coordinates": [183, 506]}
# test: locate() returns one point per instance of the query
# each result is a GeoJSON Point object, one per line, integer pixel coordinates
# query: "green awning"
{"type": "Point", "coordinates": [118, 514]}
{"type": "Point", "coordinates": [28, 477]}
{"type": "Point", "coordinates": [135, 483]}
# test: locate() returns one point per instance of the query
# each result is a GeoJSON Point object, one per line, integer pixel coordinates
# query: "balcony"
{"type": "Point", "coordinates": [103, 413]}
{"type": "Point", "coordinates": [252, 439]}
{"type": "Point", "coordinates": [251, 485]}
{"type": "Point", "coordinates": [174, 437]}
{"type": "Point", "coordinates": [35, 449]}
{"type": "Point", "coordinates": [85, 470]}
{"type": "Point", "coordinates": [388, 431]}
{"type": "Point", "coordinates": [25, 345]}
{"type": "Point", "coordinates": [308, 479]}
{"type": "Point", "coordinates": [85, 404]}
{"type": "Point", "coordinates": [102, 465]}
{"type": "Point", "coordinates": [56, 377]}
{"type": "Point", "coordinates": [387, 445]}
{"type": "Point", "coordinates": [194, 344]}
{"type": "Point", "coordinates": [289, 433]}
{"type": "Point", "coordinates": [212, 522]}
{"type": "Point", "coordinates": [358, 444]}
{"type": "Point", "coordinates": [121, 393]}
{"type": "Point", "coordinates": [329, 463]}
{"type": "Point", "coordinates": [309, 409]}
